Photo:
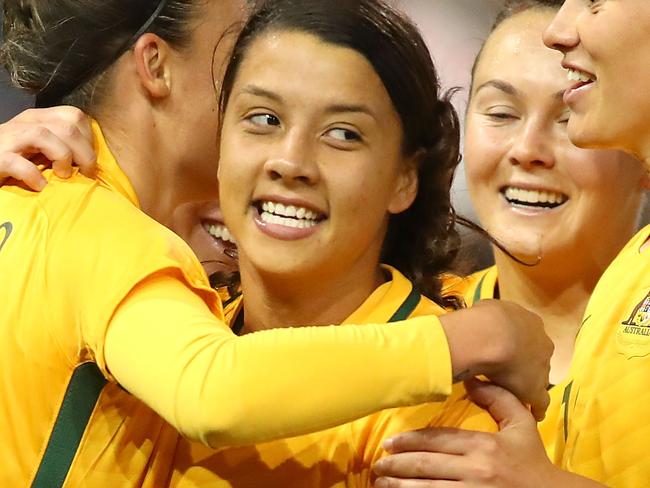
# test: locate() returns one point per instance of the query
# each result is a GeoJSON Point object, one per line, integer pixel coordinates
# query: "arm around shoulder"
{"type": "Point", "coordinates": [165, 347]}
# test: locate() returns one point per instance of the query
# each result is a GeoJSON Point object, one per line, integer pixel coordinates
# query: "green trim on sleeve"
{"type": "Point", "coordinates": [83, 391]}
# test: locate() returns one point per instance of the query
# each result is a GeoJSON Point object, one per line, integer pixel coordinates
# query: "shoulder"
{"type": "Point", "coordinates": [470, 287]}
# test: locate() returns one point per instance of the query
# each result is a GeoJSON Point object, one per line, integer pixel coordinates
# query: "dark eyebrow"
{"type": "Point", "coordinates": [350, 108]}
{"type": "Point", "coordinates": [332, 109]}
{"type": "Point", "coordinates": [504, 86]}
{"type": "Point", "coordinates": [261, 92]}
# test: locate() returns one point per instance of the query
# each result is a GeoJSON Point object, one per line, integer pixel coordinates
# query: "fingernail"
{"type": "Point", "coordinates": [378, 466]}
{"type": "Point", "coordinates": [381, 483]}
{"type": "Point", "coordinates": [42, 183]}
{"type": "Point", "coordinates": [388, 444]}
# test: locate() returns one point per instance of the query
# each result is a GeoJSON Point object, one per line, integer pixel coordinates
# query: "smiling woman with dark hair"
{"type": "Point", "coordinates": [105, 300]}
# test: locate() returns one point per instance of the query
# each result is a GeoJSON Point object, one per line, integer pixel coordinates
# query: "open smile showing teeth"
{"type": "Point", "coordinates": [288, 215]}
{"type": "Point", "coordinates": [581, 76]}
{"type": "Point", "coordinates": [221, 232]}
{"type": "Point", "coordinates": [534, 198]}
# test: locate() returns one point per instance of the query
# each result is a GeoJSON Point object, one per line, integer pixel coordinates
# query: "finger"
{"type": "Point", "coordinates": [435, 439]}
{"type": "Point", "coordinates": [388, 482]}
{"type": "Point", "coordinates": [503, 406]}
{"type": "Point", "coordinates": [63, 167]}
{"type": "Point", "coordinates": [80, 146]}
{"type": "Point", "coordinates": [69, 124]}
{"type": "Point", "coordinates": [422, 465]}
{"type": "Point", "coordinates": [15, 166]}
{"type": "Point", "coordinates": [40, 140]}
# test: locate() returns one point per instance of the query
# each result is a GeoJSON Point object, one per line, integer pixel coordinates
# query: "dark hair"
{"type": "Point", "coordinates": [59, 50]}
{"type": "Point", "coordinates": [510, 9]}
{"type": "Point", "coordinates": [422, 241]}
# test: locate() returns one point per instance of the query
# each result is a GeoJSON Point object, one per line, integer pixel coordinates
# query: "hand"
{"type": "Point", "coordinates": [61, 135]}
{"type": "Point", "coordinates": [453, 458]}
{"type": "Point", "coordinates": [507, 344]}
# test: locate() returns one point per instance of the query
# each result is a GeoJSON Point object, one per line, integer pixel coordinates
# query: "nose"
{"type": "Point", "coordinates": [294, 161]}
{"type": "Point", "coordinates": [562, 33]}
{"type": "Point", "coordinates": [532, 147]}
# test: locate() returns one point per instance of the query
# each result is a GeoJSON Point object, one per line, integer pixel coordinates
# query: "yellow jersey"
{"type": "Point", "coordinates": [483, 285]}
{"type": "Point", "coordinates": [87, 279]}
{"type": "Point", "coordinates": [603, 434]}
{"type": "Point", "coordinates": [342, 456]}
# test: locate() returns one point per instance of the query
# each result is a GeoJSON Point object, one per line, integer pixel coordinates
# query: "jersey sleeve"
{"type": "Point", "coordinates": [166, 347]}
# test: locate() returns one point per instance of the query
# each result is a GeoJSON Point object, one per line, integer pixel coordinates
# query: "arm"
{"type": "Point", "coordinates": [60, 134]}
{"type": "Point", "coordinates": [226, 390]}
{"type": "Point", "coordinates": [512, 458]}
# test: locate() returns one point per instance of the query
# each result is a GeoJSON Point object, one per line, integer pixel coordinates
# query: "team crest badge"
{"type": "Point", "coordinates": [633, 335]}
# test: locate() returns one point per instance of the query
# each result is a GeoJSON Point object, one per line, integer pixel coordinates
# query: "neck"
{"type": "Point", "coordinates": [558, 294]}
{"type": "Point", "coordinates": [141, 160]}
{"type": "Point", "coordinates": [319, 299]}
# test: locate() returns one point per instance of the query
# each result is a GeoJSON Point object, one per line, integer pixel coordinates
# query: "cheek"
{"type": "Point", "coordinates": [485, 149]}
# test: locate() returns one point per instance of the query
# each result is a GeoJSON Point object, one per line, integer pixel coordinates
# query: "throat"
{"type": "Point", "coordinates": [270, 304]}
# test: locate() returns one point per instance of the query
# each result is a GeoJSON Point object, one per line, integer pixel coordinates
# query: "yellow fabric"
{"type": "Point", "coordinates": [60, 285]}
{"type": "Point", "coordinates": [487, 281]}
{"type": "Point", "coordinates": [83, 277]}
{"type": "Point", "coordinates": [339, 457]}
{"type": "Point", "coordinates": [608, 434]}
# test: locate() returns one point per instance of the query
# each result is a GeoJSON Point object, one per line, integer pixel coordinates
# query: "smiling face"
{"type": "Point", "coordinates": [608, 43]}
{"type": "Point", "coordinates": [534, 190]}
{"type": "Point", "coordinates": [311, 162]}
{"type": "Point", "coordinates": [201, 225]}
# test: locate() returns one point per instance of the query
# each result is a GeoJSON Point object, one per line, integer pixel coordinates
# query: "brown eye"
{"type": "Point", "coordinates": [264, 120]}
{"type": "Point", "coordinates": [345, 135]}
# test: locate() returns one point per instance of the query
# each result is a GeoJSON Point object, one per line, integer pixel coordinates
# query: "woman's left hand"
{"type": "Point", "coordinates": [454, 458]}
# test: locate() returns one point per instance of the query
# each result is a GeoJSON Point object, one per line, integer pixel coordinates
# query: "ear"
{"type": "Point", "coordinates": [152, 61]}
{"type": "Point", "coordinates": [406, 188]}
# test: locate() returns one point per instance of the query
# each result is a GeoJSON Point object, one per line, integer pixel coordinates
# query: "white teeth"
{"type": "Point", "coordinates": [299, 214]}
{"type": "Point", "coordinates": [221, 232]}
{"type": "Point", "coordinates": [534, 196]}
{"type": "Point", "coordinates": [270, 218]}
{"type": "Point", "coordinates": [576, 75]}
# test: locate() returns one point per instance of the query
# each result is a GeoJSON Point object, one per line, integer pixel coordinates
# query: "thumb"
{"type": "Point", "coordinates": [503, 406]}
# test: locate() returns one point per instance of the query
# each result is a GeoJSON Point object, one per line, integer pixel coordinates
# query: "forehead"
{"type": "Point", "coordinates": [301, 64]}
{"type": "Point", "coordinates": [516, 53]}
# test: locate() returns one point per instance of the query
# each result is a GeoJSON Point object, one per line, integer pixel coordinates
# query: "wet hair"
{"type": "Point", "coordinates": [422, 241]}
{"type": "Point", "coordinates": [510, 9]}
{"type": "Point", "coordinates": [61, 50]}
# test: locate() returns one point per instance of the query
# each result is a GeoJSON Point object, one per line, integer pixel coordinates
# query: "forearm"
{"type": "Point", "coordinates": [228, 390]}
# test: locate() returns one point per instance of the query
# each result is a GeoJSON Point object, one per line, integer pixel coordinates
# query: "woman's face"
{"type": "Point", "coordinates": [311, 163]}
{"type": "Point", "coordinates": [534, 190]}
{"type": "Point", "coordinates": [606, 43]}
